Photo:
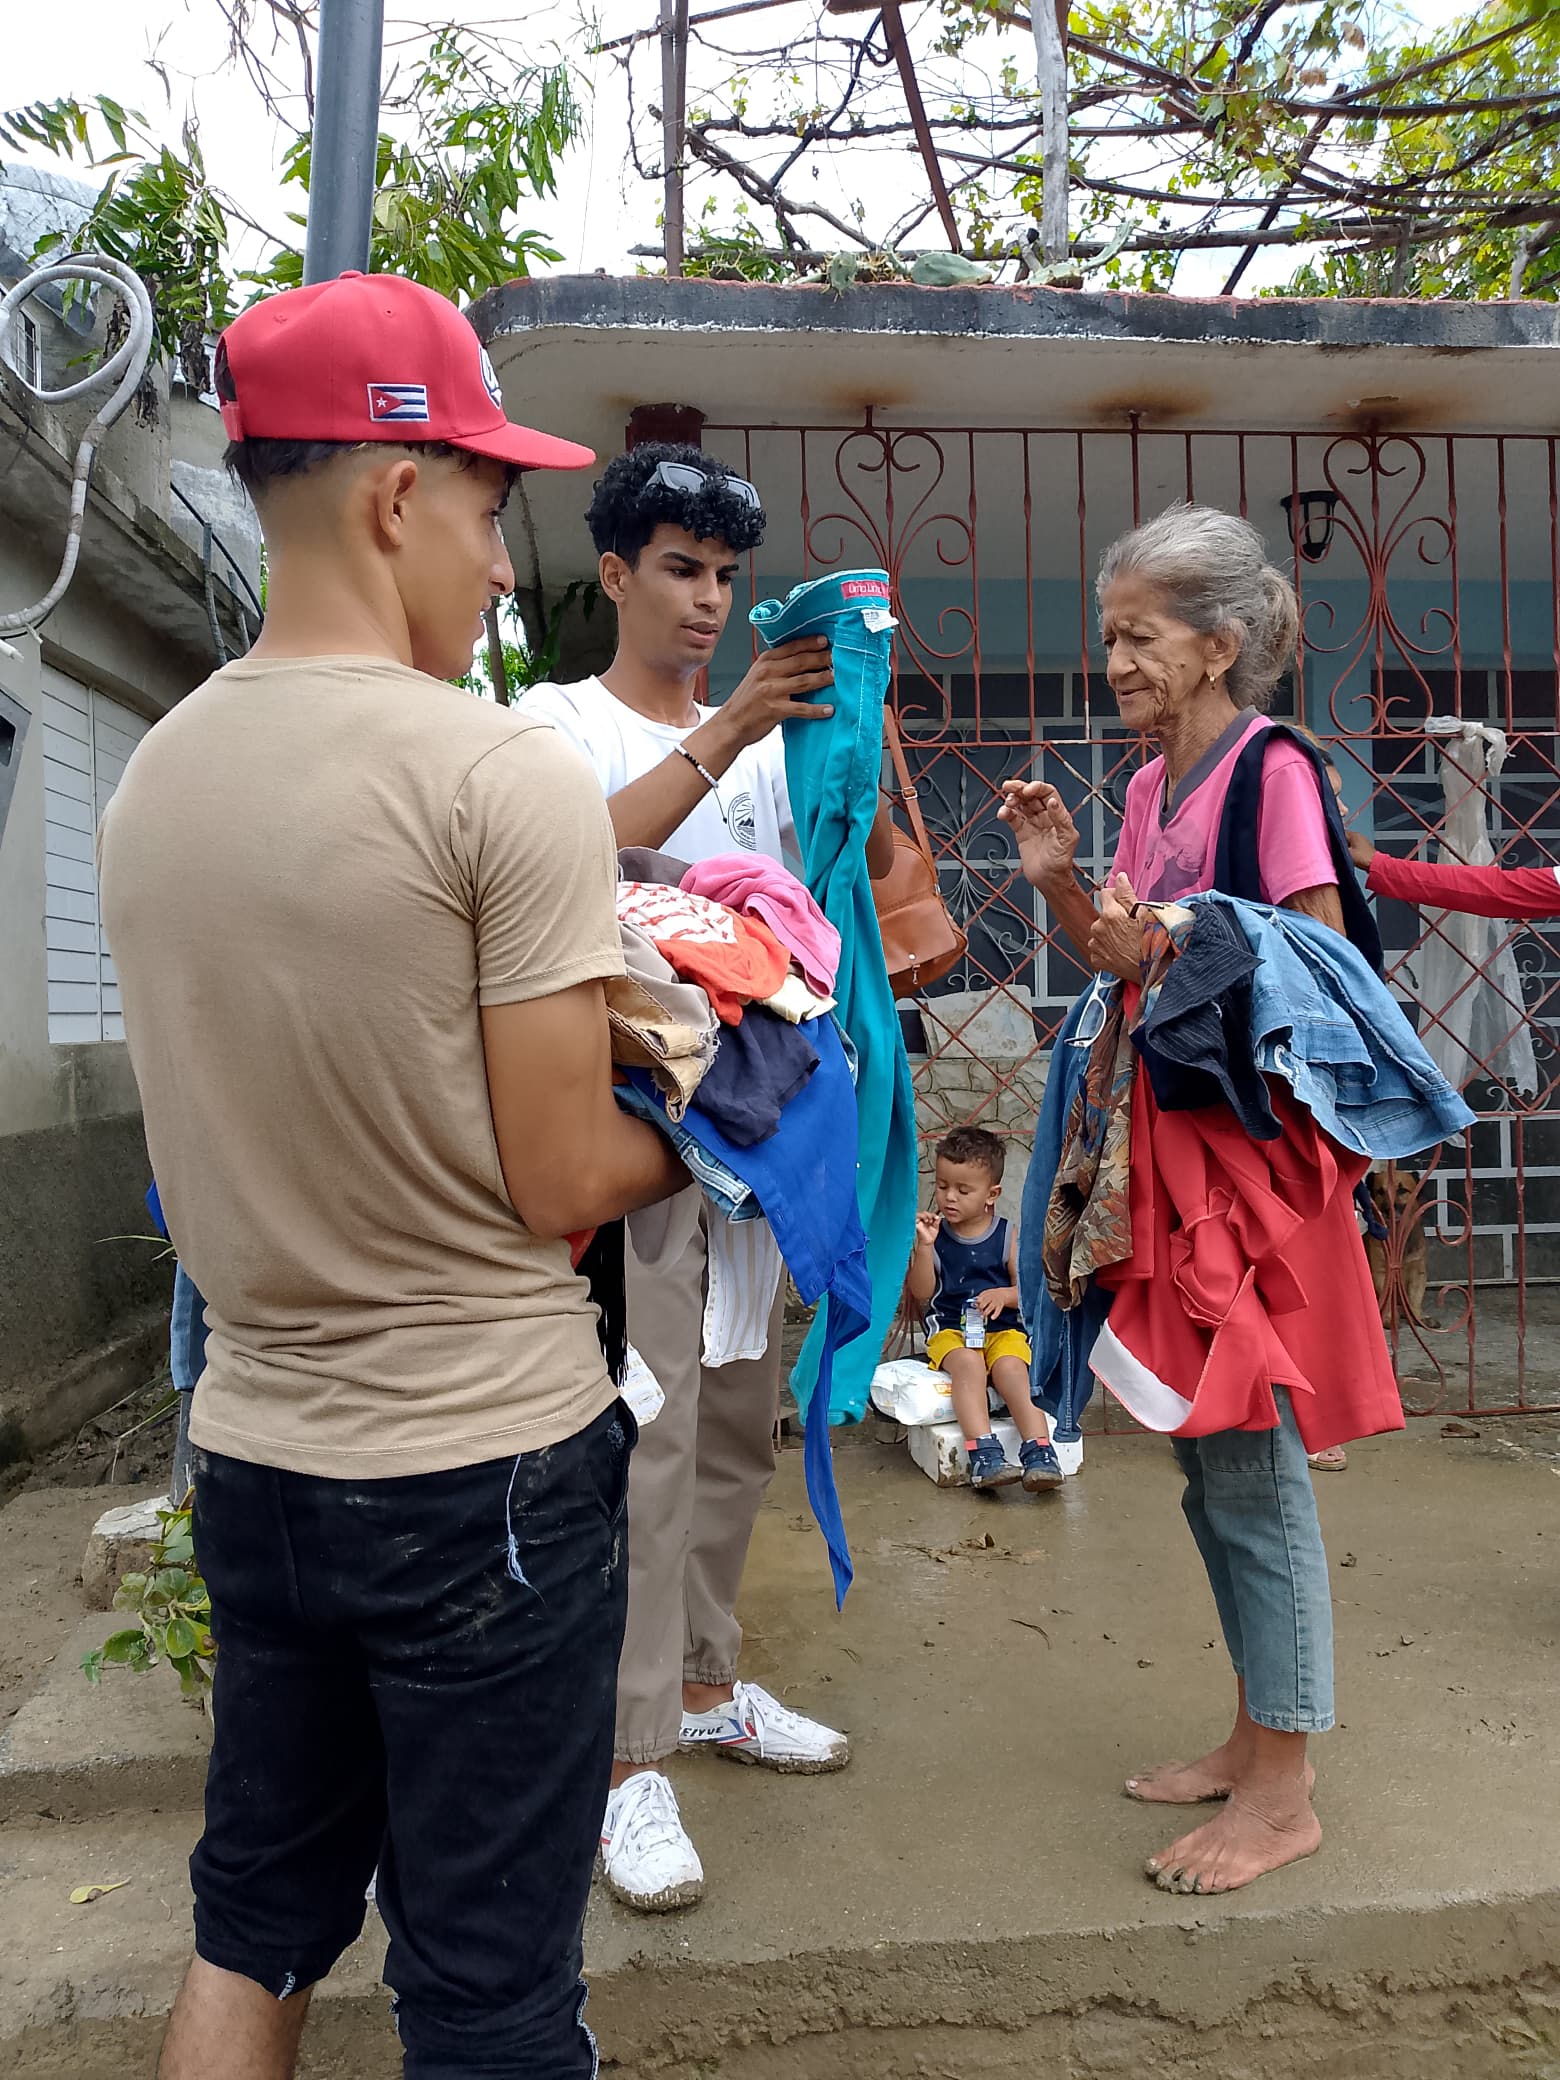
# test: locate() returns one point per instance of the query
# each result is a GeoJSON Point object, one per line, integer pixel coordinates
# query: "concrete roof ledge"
{"type": "Point", "coordinates": [1009, 312]}
{"type": "Point", "coordinates": [576, 353]}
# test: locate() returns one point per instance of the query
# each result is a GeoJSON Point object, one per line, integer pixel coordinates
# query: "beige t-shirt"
{"type": "Point", "coordinates": [313, 872]}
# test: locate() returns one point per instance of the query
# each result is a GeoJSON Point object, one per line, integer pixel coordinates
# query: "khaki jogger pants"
{"type": "Point", "coordinates": [696, 1480]}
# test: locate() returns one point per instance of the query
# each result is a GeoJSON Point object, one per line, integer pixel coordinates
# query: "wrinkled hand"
{"type": "Point", "coordinates": [780, 688]}
{"type": "Point", "coordinates": [992, 1301]}
{"type": "Point", "coordinates": [1046, 835]}
{"type": "Point", "coordinates": [928, 1226]}
{"type": "Point", "coordinates": [1361, 850]}
{"type": "Point", "coordinates": [1116, 942]}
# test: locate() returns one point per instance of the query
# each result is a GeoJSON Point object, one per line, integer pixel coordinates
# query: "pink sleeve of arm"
{"type": "Point", "coordinates": [1293, 851]}
{"type": "Point", "coordinates": [1480, 891]}
{"type": "Point", "coordinates": [1129, 842]}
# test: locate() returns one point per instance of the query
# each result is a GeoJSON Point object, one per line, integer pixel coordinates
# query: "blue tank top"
{"type": "Point", "coordinates": [965, 1269]}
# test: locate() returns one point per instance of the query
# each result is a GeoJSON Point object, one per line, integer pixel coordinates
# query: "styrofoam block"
{"type": "Point", "coordinates": [938, 1449]}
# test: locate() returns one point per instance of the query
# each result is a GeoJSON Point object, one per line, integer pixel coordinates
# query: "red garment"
{"type": "Point", "coordinates": [735, 960]}
{"type": "Point", "coordinates": [1247, 1271]}
{"type": "Point", "coordinates": [1477, 891]}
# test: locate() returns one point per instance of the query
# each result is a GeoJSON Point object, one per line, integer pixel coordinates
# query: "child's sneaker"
{"type": "Point", "coordinates": [1042, 1468]}
{"type": "Point", "coordinates": [988, 1463]}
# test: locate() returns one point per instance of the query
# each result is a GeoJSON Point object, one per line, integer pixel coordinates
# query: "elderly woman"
{"type": "Point", "coordinates": [1198, 627]}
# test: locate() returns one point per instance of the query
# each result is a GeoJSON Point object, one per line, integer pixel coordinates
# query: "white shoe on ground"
{"type": "Point", "coordinates": [1070, 1456]}
{"type": "Point", "coordinates": [757, 1728]}
{"type": "Point", "coordinates": [646, 1856]}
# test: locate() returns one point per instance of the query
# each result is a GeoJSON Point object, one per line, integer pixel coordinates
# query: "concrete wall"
{"type": "Point", "coordinates": [198, 444]}
{"type": "Point", "coordinates": [82, 1310]}
{"type": "Point", "coordinates": [980, 1070]}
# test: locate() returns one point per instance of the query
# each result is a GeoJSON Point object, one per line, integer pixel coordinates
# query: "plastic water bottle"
{"type": "Point", "coordinates": [974, 1326]}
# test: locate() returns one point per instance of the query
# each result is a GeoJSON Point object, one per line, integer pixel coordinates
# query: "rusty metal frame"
{"type": "Point", "coordinates": [898, 43]}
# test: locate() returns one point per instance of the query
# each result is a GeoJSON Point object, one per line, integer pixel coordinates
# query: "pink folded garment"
{"type": "Point", "coordinates": [759, 887]}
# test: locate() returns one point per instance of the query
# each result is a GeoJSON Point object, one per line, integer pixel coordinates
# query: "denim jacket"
{"type": "Point", "coordinates": [1060, 1379]}
{"type": "Point", "coordinates": [1324, 1021]}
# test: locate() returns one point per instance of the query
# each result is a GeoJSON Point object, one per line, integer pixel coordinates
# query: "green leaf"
{"type": "Point", "coordinates": [179, 1639]}
{"type": "Point", "coordinates": [193, 1679]}
{"type": "Point", "coordinates": [122, 1646]}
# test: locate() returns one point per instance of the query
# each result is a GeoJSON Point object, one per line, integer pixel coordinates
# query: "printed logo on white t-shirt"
{"type": "Point", "coordinates": [742, 821]}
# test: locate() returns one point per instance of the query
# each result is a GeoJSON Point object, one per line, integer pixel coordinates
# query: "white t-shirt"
{"type": "Point", "coordinates": [748, 810]}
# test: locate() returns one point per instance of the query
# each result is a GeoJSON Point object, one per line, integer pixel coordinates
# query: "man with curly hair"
{"type": "Point", "coordinates": [671, 525]}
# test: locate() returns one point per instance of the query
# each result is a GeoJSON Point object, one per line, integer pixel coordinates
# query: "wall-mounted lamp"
{"type": "Point", "coordinates": [1310, 516]}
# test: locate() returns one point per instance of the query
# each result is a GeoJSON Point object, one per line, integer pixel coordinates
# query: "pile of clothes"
{"type": "Point", "coordinates": [724, 1030]}
{"type": "Point", "coordinates": [1190, 1235]}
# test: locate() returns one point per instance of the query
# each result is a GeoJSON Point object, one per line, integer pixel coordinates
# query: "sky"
{"type": "Point", "coordinates": [602, 210]}
{"type": "Point", "coordinates": [598, 213]}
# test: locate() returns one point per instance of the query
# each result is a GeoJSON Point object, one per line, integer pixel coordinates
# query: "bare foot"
{"type": "Point", "coordinates": [1193, 1783]}
{"type": "Point", "coordinates": [1255, 1834]}
{"type": "Point", "coordinates": [1198, 1783]}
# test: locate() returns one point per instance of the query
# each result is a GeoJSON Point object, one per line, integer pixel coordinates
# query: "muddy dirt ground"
{"type": "Point", "coordinates": [47, 1511]}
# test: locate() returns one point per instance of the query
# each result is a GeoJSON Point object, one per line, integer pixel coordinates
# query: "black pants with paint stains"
{"type": "Point", "coordinates": [417, 1674]}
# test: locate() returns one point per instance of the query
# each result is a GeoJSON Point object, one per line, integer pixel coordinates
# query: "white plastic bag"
{"type": "Point", "coordinates": [908, 1391]}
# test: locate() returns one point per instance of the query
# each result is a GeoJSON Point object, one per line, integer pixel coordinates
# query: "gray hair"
{"type": "Point", "coordinates": [1214, 572]}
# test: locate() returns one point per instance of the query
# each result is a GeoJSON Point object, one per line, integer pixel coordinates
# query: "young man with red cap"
{"type": "Point", "coordinates": [363, 925]}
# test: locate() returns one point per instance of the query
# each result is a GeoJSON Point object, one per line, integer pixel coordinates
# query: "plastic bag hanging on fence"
{"type": "Point", "coordinates": [1468, 981]}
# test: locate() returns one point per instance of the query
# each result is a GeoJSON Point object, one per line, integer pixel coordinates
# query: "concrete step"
{"type": "Point", "coordinates": [1012, 1659]}
{"type": "Point", "coordinates": [77, 1750]}
{"type": "Point", "coordinates": [754, 1987]}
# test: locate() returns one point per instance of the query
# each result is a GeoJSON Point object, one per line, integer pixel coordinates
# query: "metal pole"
{"type": "Point", "coordinates": [346, 138]}
{"type": "Point", "coordinates": [674, 116]}
{"type": "Point", "coordinates": [898, 43]}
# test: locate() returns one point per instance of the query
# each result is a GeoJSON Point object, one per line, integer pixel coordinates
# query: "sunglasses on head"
{"type": "Point", "coordinates": [688, 477]}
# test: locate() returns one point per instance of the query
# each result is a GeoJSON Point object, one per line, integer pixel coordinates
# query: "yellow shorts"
{"type": "Point", "coordinates": [1000, 1343]}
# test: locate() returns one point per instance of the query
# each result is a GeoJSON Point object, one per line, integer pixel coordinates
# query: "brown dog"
{"type": "Point", "coordinates": [1395, 1198]}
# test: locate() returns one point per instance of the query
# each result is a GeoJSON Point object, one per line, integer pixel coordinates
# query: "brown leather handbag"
{"type": "Point", "coordinates": [921, 942]}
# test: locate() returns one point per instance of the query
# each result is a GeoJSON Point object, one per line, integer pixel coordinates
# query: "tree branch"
{"type": "Point", "coordinates": [1051, 62]}
{"type": "Point", "coordinates": [1529, 246]}
{"type": "Point", "coordinates": [1365, 232]}
{"type": "Point", "coordinates": [753, 184]}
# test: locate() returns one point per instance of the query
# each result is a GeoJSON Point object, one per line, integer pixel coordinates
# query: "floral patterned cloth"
{"type": "Point", "coordinates": [1088, 1223]}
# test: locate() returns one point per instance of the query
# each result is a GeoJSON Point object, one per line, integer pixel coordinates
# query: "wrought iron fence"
{"type": "Point", "coordinates": [1428, 569]}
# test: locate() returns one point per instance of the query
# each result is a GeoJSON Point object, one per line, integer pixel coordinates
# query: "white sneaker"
{"type": "Point", "coordinates": [646, 1856]}
{"type": "Point", "coordinates": [1070, 1456]}
{"type": "Point", "coordinates": [758, 1728]}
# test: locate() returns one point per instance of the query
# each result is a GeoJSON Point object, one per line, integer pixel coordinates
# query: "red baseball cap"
{"type": "Point", "coordinates": [374, 357]}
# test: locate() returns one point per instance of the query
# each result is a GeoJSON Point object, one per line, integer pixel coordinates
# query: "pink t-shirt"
{"type": "Point", "coordinates": [1167, 859]}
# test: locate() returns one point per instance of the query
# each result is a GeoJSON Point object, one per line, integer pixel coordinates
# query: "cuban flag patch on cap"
{"type": "Point", "coordinates": [398, 401]}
